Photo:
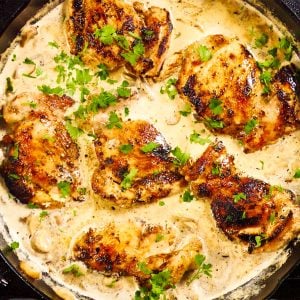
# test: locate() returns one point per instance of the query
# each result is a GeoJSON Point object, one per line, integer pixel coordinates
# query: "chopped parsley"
{"type": "Point", "coordinates": [159, 237]}
{"type": "Point", "coordinates": [103, 72]}
{"type": "Point", "coordinates": [273, 52]}
{"type": "Point", "coordinates": [43, 214]}
{"type": "Point", "coordinates": [202, 268]}
{"type": "Point", "coordinates": [187, 110]}
{"type": "Point", "coordinates": [73, 131]}
{"type": "Point", "coordinates": [126, 111]}
{"type": "Point", "coordinates": [105, 34]}
{"type": "Point", "coordinates": [15, 151]}
{"type": "Point", "coordinates": [32, 205]}
{"type": "Point", "coordinates": [156, 285]}
{"type": "Point", "coordinates": [197, 139]}
{"type": "Point", "coordinates": [213, 123]}
{"type": "Point", "coordinates": [128, 179]}
{"type": "Point", "coordinates": [126, 148]}
{"type": "Point", "coordinates": [216, 169]}
{"type": "Point", "coordinates": [187, 196]}
{"type": "Point", "coordinates": [13, 176]}
{"type": "Point", "coordinates": [238, 197]}
{"type": "Point", "coordinates": [53, 44]}
{"type": "Point", "coordinates": [262, 40]}
{"type": "Point", "coordinates": [81, 191]}
{"type": "Point", "coordinates": [287, 47]}
{"type": "Point", "coordinates": [114, 121]}
{"type": "Point", "coordinates": [103, 100]}
{"type": "Point", "coordinates": [250, 125]}
{"type": "Point", "coordinates": [297, 173]}
{"type": "Point", "coordinates": [74, 270]}
{"type": "Point", "coordinates": [64, 188]}
{"type": "Point", "coordinates": [215, 106]}
{"type": "Point", "coordinates": [204, 53]}
{"type": "Point", "coordinates": [14, 245]}
{"type": "Point", "coordinates": [46, 89]}
{"type": "Point", "coordinates": [272, 63]}
{"type": "Point", "coordinates": [149, 147]}
{"type": "Point", "coordinates": [9, 86]}
{"type": "Point", "coordinates": [28, 61]}
{"type": "Point", "coordinates": [266, 77]}
{"type": "Point", "coordinates": [258, 240]}
{"type": "Point", "coordinates": [170, 88]}
{"type": "Point", "coordinates": [123, 90]}
{"type": "Point", "coordinates": [133, 56]}
{"type": "Point", "coordinates": [161, 203]}
{"type": "Point", "coordinates": [272, 217]}
{"type": "Point", "coordinates": [181, 158]}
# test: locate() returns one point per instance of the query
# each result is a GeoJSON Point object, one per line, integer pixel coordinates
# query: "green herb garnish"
{"type": "Point", "coordinates": [128, 179]}
{"type": "Point", "coordinates": [196, 138]}
{"type": "Point", "coordinates": [64, 188]}
{"type": "Point", "coordinates": [204, 53]}
{"type": "Point", "coordinates": [238, 197]}
{"type": "Point", "coordinates": [250, 125]}
{"type": "Point", "coordinates": [202, 268]}
{"type": "Point", "coordinates": [170, 88]}
{"type": "Point", "coordinates": [150, 147]}
{"type": "Point", "coordinates": [114, 121]}
{"type": "Point", "coordinates": [126, 148]}
{"type": "Point", "coordinates": [181, 157]}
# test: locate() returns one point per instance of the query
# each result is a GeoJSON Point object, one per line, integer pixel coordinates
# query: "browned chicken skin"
{"type": "Point", "coordinates": [246, 209]}
{"type": "Point", "coordinates": [40, 151]}
{"type": "Point", "coordinates": [231, 79]}
{"type": "Point", "coordinates": [119, 249]}
{"type": "Point", "coordinates": [151, 27]}
{"type": "Point", "coordinates": [156, 176]}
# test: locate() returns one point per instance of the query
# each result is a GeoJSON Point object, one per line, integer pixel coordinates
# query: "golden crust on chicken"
{"type": "Point", "coordinates": [134, 165]}
{"type": "Point", "coordinates": [115, 33]}
{"type": "Point", "coordinates": [221, 79]}
{"type": "Point", "coordinates": [247, 210]}
{"type": "Point", "coordinates": [118, 249]}
{"type": "Point", "coordinates": [41, 157]}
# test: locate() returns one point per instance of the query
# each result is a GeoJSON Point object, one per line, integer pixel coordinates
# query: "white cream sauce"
{"type": "Point", "coordinates": [48, 242]}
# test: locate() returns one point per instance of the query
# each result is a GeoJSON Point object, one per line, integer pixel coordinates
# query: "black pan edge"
{"type": "Point", "coordinates": [288, 11]}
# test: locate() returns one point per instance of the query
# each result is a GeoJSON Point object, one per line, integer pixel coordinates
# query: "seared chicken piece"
{"type": "Point", "coordinates": [115, 33]}
{"type": "Point", "coordinates": [126, 177]}
{"type": "Point", "coordinates": [246, 209]}
{"type": "Point", "coordinates": [41, 155]}
{"type": "Point", "coordinates": [226, 92]}
{"type": "Point", "coordinates": [119, 249]}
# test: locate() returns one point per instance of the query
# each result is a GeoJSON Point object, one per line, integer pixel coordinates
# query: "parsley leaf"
{"type": "Point", "coordinates": [196, 138]}
{"type": "Point", "coordinates": [204, 53]}
{"type": "Point", "coordinates": [250, 125]}
{"type": "Point", "coordinates": [128, 179]}
{"type": "Point", "coordinates": [187, 196]}
{"type": "Point", "coordinates": [170, 88]}
{"type": "Point", "coordinates": [43, 214]}
{"type": "Point", "coordinates": [216, 169]}
{"type": "Point", "coordinates": [53, 44]}
{"type": "Point", "coordinates": [103, 72]}
{"type": "Point", "coordinates": [46, 89]}
{"type": "Point", "coordinates": [105, 34]}
{"type": "Point", "coordinates": [143, 268]}
{"type": "Point", "coordinates": [9, 86]}
{"type": "Point", "coordinates": [14, 245]}
{"type": "Point", "coordinates": [181, 157]}
{"type": "Point", "coordinates": [262, 40]}
{"type": "Point", "coordinates": [266, 77]}
{"type": "Point", "coordinates": [15, 151]}
{"type": "Point", "coordinates": [272, 217]}
{"type": "Point", "coordinates": [150, 147]}
{"type": "Point", "coordinates": [74, 132]}
{"type": "Point", "coordinates": [28, 61]}
{"type": "Point", "coordinates": [74, 270]}
{"type": "Point", "coordinates": [297, 173]}
{"type": "Point", "coordinates": [273, 63]}
{"type": "Point", "coordinates": [213, 123]}
{"type": "Point", "coordinates": [202, 268]}
{"type": "Point", "coordinates": [159, 237]}
{"type": "Point", "coordinates": [13, 176]}
{"type": "Point", "coordinates": [114, 121]}
{"type": "Point", "coordinates": [238, 197]}
{"type": "Point", "coordinates": [126, 148]}
{"type": "Point", "coordinates": [187, 109]}
{"type": "Point", "coordinates": [133, 56]}
{"type": "Point", "coordinates": [216, 106]}
{"type": "Point", "coordinates": [287, 47]}
{"type": "Point", "coordinates": [103, 100]}
{"type": "Point", "coordinates": [64, 188]}
{"type": "Point", "coordinates": [123, 91]}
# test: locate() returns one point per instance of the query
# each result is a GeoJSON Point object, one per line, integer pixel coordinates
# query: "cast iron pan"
{"type": "Point", "coordinates": [14, 285]}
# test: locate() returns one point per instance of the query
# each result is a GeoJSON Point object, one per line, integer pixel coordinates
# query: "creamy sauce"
{"type": "Point", "coordinates": [47, 243]}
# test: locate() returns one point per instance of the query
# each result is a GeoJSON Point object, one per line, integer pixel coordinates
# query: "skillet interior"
{"type": "Point", "coordinates": [287, 11]}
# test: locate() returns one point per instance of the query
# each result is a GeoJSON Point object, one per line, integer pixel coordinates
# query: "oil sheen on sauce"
{"type": "Point", "coordinates": [47, 243]}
